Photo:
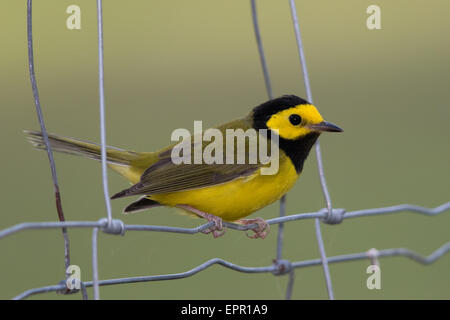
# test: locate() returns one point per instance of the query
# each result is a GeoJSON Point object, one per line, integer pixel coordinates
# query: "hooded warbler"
{"type": "Point", "coordinates": [215, 191]}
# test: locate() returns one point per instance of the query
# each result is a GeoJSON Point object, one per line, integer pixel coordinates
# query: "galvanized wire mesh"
{"type": "Point", "coordinates": [280, 266]}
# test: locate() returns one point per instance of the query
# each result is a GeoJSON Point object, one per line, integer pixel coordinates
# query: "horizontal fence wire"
{"type": "Point", "coordinates": [267, 269]}
{"type": "Point", "coordinates": [118, 227]}
{"type": "Point", "coordinates": [109, 225]}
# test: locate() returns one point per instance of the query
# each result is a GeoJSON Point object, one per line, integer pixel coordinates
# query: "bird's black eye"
{"type": "Point", "coordinates": [295, 119]}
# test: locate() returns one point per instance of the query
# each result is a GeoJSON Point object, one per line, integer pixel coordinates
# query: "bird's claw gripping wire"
{"type": "Point", "coordinates": [262, 229]}
{"type": "Point", "coordinates": [216, 230]}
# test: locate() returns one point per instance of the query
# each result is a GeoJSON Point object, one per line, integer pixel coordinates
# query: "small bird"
{"type": "Point", "coordinates": [218, 191]}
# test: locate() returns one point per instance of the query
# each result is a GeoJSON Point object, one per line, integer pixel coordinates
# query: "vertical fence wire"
{"type": "Point", "coordinates": [268, 84]}
{"type": "Point", "coordinates": [95, 284]}
{"type": "Point", "coordinates": [40, 116]}
{"type": "Point", "coordinates": [290, 284]}
{"type": "Point", "coordinates": [262, 56]}
{"type": "Point", "coordinates": [101, 88]}
{"type": "Point", "coordinates": [323, 183]}
{"type": "Point", "coordinates": [84, 294]}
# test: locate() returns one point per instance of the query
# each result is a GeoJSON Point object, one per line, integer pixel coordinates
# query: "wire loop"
{"type": "Point", "coordinates": [281, 267]}
{"type": "Point", "coordinates": [335, 216]}
{"type": "Point", "coordinates": [115, 227]}
{"type": "Point", "coordinates": [373, 255]}
{"type": "Point", "coordinates": [65, 289]}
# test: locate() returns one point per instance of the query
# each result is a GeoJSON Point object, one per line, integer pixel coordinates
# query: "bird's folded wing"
{"type": "Point", "coordinates": [169, 177]}
{"type": "Point", "coordinates": [164, 176]}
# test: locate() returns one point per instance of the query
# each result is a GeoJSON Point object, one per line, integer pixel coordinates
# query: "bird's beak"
{"type": "Point", "coordinates": [325, 126]}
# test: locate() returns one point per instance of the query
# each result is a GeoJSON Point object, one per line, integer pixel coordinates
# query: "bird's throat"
{"type": "Point", "coordinates": [298, 150]}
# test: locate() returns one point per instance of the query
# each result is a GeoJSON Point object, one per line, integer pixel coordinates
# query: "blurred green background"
{"type": "Point", "coordinates": [168, 63]}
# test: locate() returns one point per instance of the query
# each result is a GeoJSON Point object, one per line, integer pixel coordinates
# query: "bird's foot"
{"type": "Point", "coordinates": [262, 229]}
{"type": "Point", "coordinates": [216, 230]}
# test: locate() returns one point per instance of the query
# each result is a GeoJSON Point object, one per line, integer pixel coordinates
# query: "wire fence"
{"type": "Point", "coordinates": [280, 266]}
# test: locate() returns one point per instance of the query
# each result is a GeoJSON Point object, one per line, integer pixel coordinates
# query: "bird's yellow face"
{"type": "Point", "coordinates": [298, 121]}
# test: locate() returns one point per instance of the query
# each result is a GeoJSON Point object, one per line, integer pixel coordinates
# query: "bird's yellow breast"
{"type": "Point", "coordinates": [238, 198]}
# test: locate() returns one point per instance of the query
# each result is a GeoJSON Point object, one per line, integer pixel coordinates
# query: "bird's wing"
{"type": "Point", "coordinates": [164, 176]}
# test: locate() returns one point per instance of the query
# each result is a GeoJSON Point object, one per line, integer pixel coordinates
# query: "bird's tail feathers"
{"type": "Point", "coordinates": [81, 148]}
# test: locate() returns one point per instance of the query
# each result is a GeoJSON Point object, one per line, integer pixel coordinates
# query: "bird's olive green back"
{"type": "Point", "coordinates": [163, 176]}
